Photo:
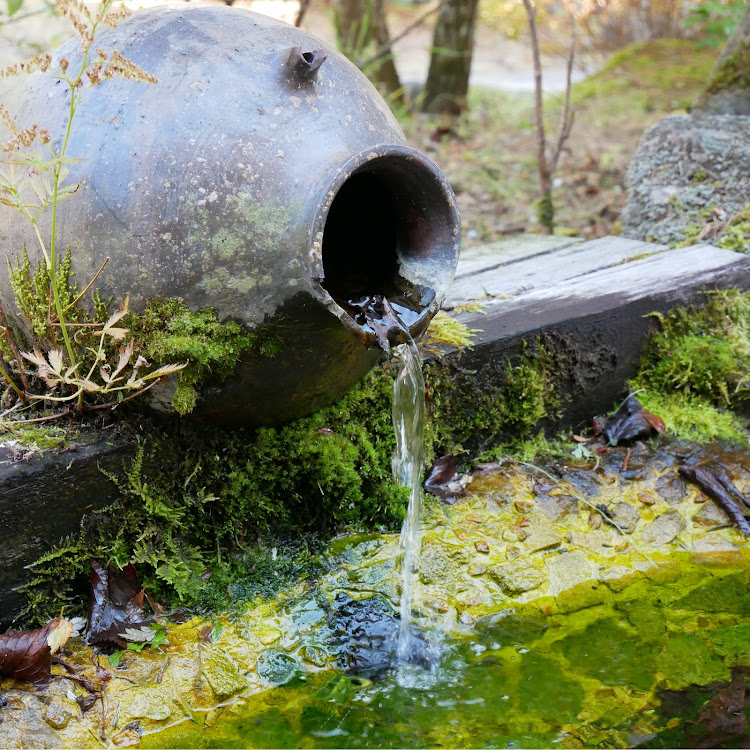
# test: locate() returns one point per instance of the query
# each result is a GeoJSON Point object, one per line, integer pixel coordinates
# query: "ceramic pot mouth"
{"type": "Point", "coordinates": [388, 226]}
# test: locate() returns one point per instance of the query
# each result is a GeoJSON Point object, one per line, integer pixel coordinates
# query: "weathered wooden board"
{"type": "Point", "coordinates": [590, 298]}
{"type": "Point", "coordinates": [43, 500]}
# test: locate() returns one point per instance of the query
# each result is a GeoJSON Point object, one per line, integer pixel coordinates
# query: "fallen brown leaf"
{"type": "Point", "coordinates": [28, 655]}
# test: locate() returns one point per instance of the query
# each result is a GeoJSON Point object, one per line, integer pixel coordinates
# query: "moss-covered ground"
{"type": "Point", "coordinates": [202, 509]}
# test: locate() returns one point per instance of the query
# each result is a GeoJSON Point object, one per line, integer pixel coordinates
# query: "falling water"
{"type": "Point", "coordinates": [408, 461]}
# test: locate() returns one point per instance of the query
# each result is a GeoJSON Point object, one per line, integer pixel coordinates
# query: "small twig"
{"type": "Point", "coordinates": [713, 486]}
{"type": "Point", "coordinates": [80, 296]}
{"type": "Point", "coordinates": [59, 415]}
{"type": "Point", "coordinates": [303, 6]}
{"type": "Point", "coordinates": [74, 674]}
{"type": "Point", "coordinates": [384, 49]}
{"type": "Point", "coordinates": [162, 670]}
{"type": "Point", "coordinates": [95, 407]}
{"type": "Point", "coordinates": [625, 462]}
{"type": "Point", "coordinates": [567, 117]}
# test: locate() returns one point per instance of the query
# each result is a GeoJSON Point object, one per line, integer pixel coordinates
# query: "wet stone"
{"type": "Point", "coordinates": [56, 716]}
{"type": "Point", "coordinates": [477, 569]}
{"type": "Point", "coordinates": [516, 578]}
{"type": "Point", "coordinates": [713, 549]}
{"type": "Point", "coordinates": [440, 561]}
{"type": "Point", "coordinates": [542, 536]}
{"type": "Point", "coordinates": [664, 529]}
{"type": "Point", "coordinates": [276, 667]}
{"type": "Point", "coordinates": [221, 672]}
{"type": "Point", "coordinates": [556, 507]}
{"type": "Point", "coordinates": [315, 653]}
{"type": "Point", "coordinates": [364, 635]}
{"type": "Point", "coordinates": [482, 547]}
{"type": "Point", "coordinates": [145, 704]}
{"type": "Point", "coordinates": [568, 569]}
{"type": "Point", "coordinates": [625, 516]}
{"type": "Point", "coordinates": [711, 516]}
{"type": "Point", "coordinates": [670, 488]}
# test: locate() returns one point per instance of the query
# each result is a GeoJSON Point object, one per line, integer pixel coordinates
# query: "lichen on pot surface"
{"type": "Point", "coordinates": [261, 178]}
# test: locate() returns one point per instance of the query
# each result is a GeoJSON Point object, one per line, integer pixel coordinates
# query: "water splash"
{"type": "Point", "coordinates": [408, 461]}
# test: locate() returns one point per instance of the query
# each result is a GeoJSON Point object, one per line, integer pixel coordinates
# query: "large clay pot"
{"type": "Point", "coordinates": [253, 179]}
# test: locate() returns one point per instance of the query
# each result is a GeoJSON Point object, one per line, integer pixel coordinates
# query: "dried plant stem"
{"type": "Point", "coordinates": [10, 338]}
{"type": "Point", "coordinates": [547, 163]}
{"type": "Point", "coordinates": [81, 295]}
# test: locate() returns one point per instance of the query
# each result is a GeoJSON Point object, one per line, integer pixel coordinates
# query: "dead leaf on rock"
{"type": "Point", "coordinates": [629, 422]}
{"type": "Point", "coordinates": [722, 718]}
{"type": "Point", "coordinates": [115, 604]}
{"type": "Point", "coordinates": [28, 655]}
{"type": "Point", "coordinates": [445, 482]}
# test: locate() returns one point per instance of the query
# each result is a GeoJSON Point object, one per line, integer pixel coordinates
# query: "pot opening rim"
{"type": "Point", "coordinates": [388, 227]}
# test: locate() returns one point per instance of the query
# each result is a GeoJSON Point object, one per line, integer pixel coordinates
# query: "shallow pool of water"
{"type": "Point", "coordinates": [634, 672]}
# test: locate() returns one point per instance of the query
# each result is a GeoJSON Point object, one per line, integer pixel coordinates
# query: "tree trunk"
{"type": "Point", "coordinates": [728, 89]}
{"type": "Point", "coordinates": [361, 30]}
{"type": "Point", "coordinates": [452, 47]}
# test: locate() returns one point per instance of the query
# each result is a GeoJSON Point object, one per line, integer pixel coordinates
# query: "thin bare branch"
{"type": "Point", "coordinates": [303, 6]}
{"type": "Point", "coordinates": [567, 116]}
{"type": "Point", "coordinates": [58, 415]}
{"type": "Point", "coordinates": [385, 49]}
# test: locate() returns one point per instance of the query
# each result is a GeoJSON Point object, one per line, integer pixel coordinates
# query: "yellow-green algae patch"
{"type": "Point", "coordinates": [579, 625]}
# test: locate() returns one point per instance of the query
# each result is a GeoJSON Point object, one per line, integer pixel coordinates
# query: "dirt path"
{"type": "Point", "coordinates": [499, 63]}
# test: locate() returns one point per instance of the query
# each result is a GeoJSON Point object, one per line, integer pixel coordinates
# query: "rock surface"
{"type": "Point", "coordinates": [346, 618]}
{"type": "Point", "coordinates": [684, 169]}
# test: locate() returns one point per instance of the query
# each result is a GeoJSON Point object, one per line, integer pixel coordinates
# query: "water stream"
{"type": "Point", "coordinates": [408, 461]}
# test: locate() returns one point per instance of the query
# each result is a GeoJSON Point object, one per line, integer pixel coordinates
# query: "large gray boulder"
{"type": "Point", "coordinates": [688, 172]}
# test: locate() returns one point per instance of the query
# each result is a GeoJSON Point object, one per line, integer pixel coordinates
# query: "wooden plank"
{"type": "Point", "coordinates": [589, 306]}
{"type": "Point", "coordinates": [551, 301]}
{"type": "Point", "coordinates": [553, 268]}
{"type": "Point", "coordinates": [485, 257]}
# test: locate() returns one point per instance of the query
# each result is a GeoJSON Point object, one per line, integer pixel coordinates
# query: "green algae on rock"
{"type": "Point", "coordinates": [600, 632]}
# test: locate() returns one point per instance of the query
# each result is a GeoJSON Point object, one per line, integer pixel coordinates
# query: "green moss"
{"type": "Point", "coordinates": [657, 75]}
{"type": "Point", "coordinates": [732, 72]}
{"type": "Point", "coordinates": [41, 438]}
{"type": "Point", "coordinates": [545, 213]}
{"type": "Point", "coordinates": [695, 368]}
{"type": "Point", "coordinates": [737, 234]}
{"type": "Point", "coordinates": [445, 332]}
{"type": "Point", "coordinates": [497, 404]}
{"type": "Point", "coordinates": [201, 507]}
{"type": "Point", "coordinates": [168, 332]}
{"type": "Point", "coordinates": [694, 419]}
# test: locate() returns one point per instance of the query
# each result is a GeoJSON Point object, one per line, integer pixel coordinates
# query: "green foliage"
{"type": "Point", "coordinates": [168, 331]}
{"type": "Point", "coordinates": [32, 291]}
{"type": "Point", "coordinates": [716, 20]}
{"type": "Point", "coordinates": [696, 366]}
{"type": "Point", "coordinates": [470, 408]}
{"type": "Point", "coordinates": [203, 503]}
